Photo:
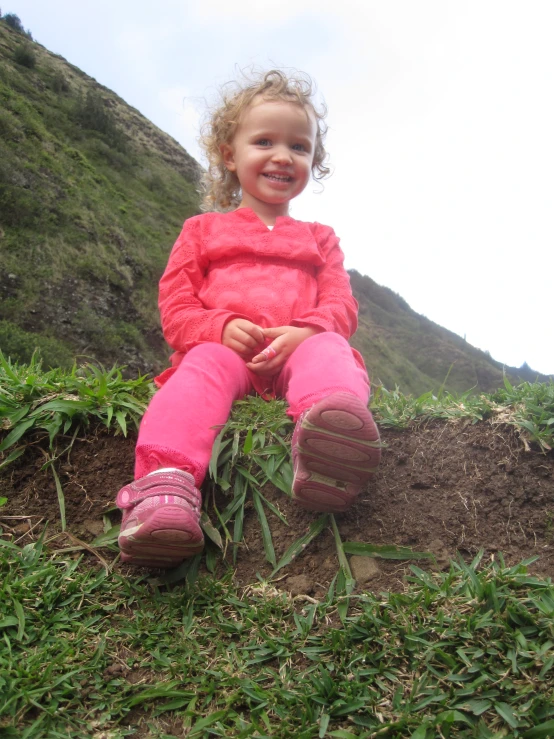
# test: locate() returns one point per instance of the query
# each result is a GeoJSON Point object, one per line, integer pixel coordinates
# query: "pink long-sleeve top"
{"type": "Point", "coordinates": [231, 265]}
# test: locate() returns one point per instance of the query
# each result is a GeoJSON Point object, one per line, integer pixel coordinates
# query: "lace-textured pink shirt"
{"type": "Point", "coordinates": [231, 265]}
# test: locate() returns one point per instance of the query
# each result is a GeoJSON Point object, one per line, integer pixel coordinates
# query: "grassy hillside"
{"type": "Point", "coordinates": [92, 196]}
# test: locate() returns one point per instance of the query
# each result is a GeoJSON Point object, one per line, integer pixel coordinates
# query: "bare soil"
{"type": "Point", "coordinates": [443, 487]}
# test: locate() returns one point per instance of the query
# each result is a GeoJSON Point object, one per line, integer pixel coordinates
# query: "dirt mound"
{"type": "Point", "coordinates": [442, 488]}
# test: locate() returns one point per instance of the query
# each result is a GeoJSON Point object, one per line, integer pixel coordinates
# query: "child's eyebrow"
{"type": "Point", "coordinates": [273, 133]}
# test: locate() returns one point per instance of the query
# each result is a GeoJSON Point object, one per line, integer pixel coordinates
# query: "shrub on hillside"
{"type": "Point", "coordinates": [115, 156]}
{"type": "Point", "coordinates": [13, 21]}
{"type": "Point", "coordinates": [25, 56]}
{"type": "Point", "coordinates": [18, 206]}
{"type": "Point", "coordinates": [9, 130]}
{"type": "Point", "coordinates": [91, 112]}
{"type": "Point", "coordinates": [59, 83]}
{"type": "Point", "coordinates": [20, 345]}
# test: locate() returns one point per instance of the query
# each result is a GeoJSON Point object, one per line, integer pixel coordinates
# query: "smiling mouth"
{"type": "Point", "coordinates": [277, 177]}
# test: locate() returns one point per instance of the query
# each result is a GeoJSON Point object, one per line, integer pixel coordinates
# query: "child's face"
{"type": "Point", "coordinates": [272, 153]}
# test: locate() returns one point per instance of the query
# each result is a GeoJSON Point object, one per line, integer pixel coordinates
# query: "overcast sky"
{"type": "Point", "coordinates": [441, 115]}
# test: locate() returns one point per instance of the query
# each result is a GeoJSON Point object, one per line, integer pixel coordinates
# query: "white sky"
{"type": "Point", "coordinates": [441, 116]}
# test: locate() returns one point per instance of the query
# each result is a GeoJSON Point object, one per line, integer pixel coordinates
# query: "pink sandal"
{"type": "Point", "coordinates": [161, 515]}
{"type": "Point", "coordinates": [335, 451]}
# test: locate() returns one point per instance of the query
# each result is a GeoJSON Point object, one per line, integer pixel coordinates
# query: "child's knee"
{"type": "Point", "coordinates": [327, 341]}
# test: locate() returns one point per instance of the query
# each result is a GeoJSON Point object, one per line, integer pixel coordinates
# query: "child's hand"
{"type": "Point", "coordinates": [285, 339]}
{"type": "Point", "coordinates": [243, 337]}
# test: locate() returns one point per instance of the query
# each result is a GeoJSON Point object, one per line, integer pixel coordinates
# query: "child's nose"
{"type": "Point", "coordinates": [282, 155]}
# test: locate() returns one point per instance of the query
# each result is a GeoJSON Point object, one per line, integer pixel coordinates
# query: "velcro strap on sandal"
{"type": "Point", "coordinates": [160, 483]}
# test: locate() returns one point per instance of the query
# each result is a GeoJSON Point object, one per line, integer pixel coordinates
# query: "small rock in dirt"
{"type": "Point", "coordinates": [300, 585]}
{"type": "Point", "coordinates": [135, 676]}
{"type": "Point", "coordinates": [113, 670]}
{"type": "Point", "coordinates": [94, 527]}
{"type": "Point", "coordinates": [22, 528]}
{"type": "Point", "coordinates": [363, 569]}
{"type": "Point", "coordinates": [441, 553]}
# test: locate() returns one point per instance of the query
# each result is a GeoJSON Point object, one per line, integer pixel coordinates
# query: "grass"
{"type": "Point", "coordinates": [464, 653]}
{"type": "Point", "coordinates": [528, 407]}
{"type": "Point", "coordinates": [252, 449]}
{"type": "Point", "coordinates": [86, 652]}
{"type": "Point", "coordinates": [59, 402]}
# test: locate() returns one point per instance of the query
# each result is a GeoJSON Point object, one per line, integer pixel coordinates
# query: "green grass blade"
{"type": "Point", "coordinates": [187, 570]}
{"type": "Point", "coordinates": [19, 612]}
{"type": "Point", "coordinates": [247, 446]}
{"type": "Point", "coordinates": [66, 406]}
{"type": "Point", "coordinates": [16, 433]}
{"type": "Point", "coordinates": [214, 459]}
{"type": "Point", "coordinates": [209, 529]}
{"type": "Point", "coordinates": [301, 543]}
{"type": "Point", "coordinates": [238, 526]}
{"type": "Point", "coordinates": [345, 581]}
{"type": "Point", "coordinates": [198, 730]}
{"type": "Point", "coordinates": [108, 537]}
{"type": "Point", "coordinates": [9, 545]}
{"type": "Point", "coordinates": [12, 456]}
{"type": "Point", "coordinates": [266, 532]}
{"type": "Point", "coordinates": [273, 509]}
{"type": "Point", "coordinates": [8, 622]}
{"type": "Point", "coordinates": [120, 417]}
{"type": "Point", "coordinates": [387, 551]}
{"type": "Point", "coordinates": [232, 508]}
{"type": "Point", "coordinates": [541, 731]}
{"type": "Point", "coordinates": [247, 475]}
{"type": "Point", "coordinates": [61, 497]}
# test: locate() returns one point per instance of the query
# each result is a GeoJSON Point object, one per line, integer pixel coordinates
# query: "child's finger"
{"type": "Point", "coordinates": [264, 356]}
{"type": "Point", "coordinates": [257, 334]}
{"type": "Point", "coordinates": [247, 340]}
{"type": "Point", "coordinates": [274, 332]}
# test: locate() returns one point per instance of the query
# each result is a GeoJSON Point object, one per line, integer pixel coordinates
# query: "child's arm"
{"type": "Point", "coordinates": [185, 320]}
{"type": "Point", "coordinates": [336, 309]}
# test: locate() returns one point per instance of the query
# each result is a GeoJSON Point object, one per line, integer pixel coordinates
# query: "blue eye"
{"type": "Point", "coordinates": [299, 147]}
{"type": "Point", "coordinates": [263, 142]}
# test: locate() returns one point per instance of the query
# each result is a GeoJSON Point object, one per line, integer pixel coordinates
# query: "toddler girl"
{"type": "Point", "coordinates": [252, 299]}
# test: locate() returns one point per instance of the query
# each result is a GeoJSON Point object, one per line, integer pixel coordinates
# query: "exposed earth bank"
{"type": "Point", "coordinates": [443, 487]}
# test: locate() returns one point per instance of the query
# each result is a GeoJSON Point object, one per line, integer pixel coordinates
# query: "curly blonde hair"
{"type": "Point", "coordinates": [221, 188]}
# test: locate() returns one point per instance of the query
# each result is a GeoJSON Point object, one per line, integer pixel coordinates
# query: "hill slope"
{"type": "Point", "coordinates": [402, 347]}
{"type": "Point", "coordinates": [92, 196]}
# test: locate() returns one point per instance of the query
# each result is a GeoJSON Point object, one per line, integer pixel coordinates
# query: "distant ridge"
{"type": "Point", "coordinates": [402, 347]}
{"type": "Point", "coordinates": [92, 197]}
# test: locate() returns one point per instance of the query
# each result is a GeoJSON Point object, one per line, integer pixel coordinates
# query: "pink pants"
{"type": "Point", "coordinates": [186, 414]}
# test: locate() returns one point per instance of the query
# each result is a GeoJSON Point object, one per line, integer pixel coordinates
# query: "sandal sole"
{"type": "Point", "coordinates": [168, 537]}
{"type": "Point", "coordinates": [337, 452]}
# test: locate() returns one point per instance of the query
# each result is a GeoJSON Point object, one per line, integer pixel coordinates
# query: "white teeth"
{"type": "Point", "coordinates": [279, 178]}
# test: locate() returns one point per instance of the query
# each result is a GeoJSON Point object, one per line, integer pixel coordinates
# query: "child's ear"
{"type": "Point", "coordinates": [228, 157]}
